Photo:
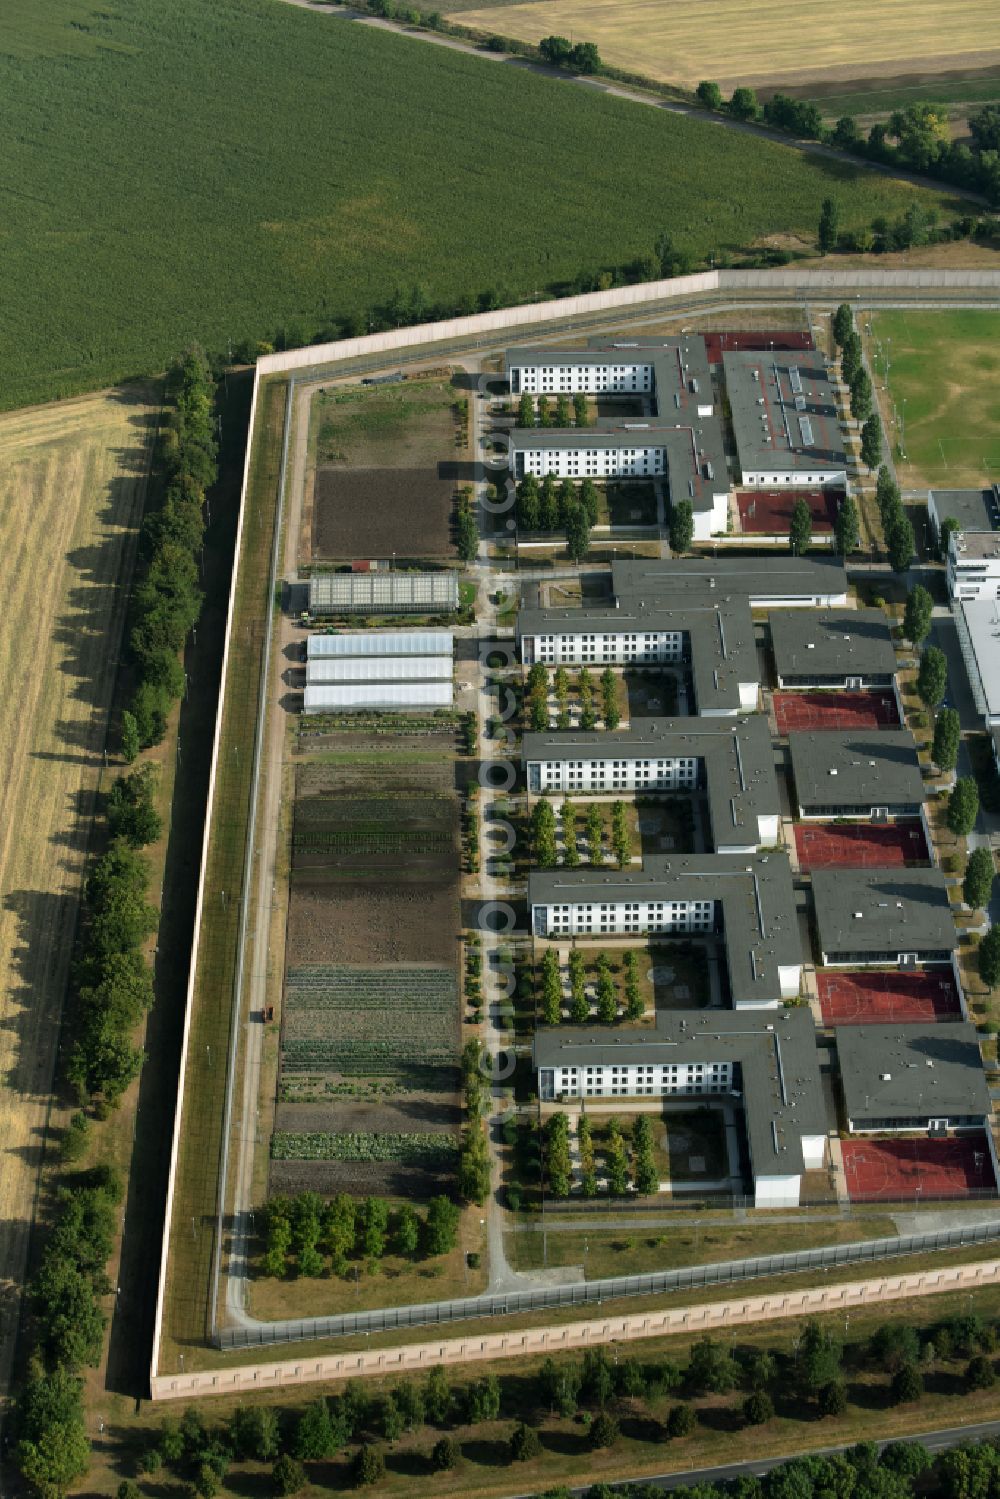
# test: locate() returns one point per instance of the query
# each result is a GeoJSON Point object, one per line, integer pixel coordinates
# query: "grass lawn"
{"type": "Point", "coordinates": [384, 426]}
{"type": "Point", "coordinates": [737, 44]}
{"type": "Point", "coordinates": [945, 366]}
{"type": "Point", "coordinates": [218, 216]}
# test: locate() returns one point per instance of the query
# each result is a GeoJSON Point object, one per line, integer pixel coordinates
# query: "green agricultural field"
{"type": "Point", "coordinates": [220, 172]}
{"type": "Point", "coordinates": [958, 95]}
{"type": "Point", "coordinates": [945, 367]}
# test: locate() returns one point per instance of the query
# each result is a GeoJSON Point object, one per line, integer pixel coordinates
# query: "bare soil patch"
{"type": "Point", "coordinates": [373, 924]}
{"type": "Point", "coordinates": [384, 512]}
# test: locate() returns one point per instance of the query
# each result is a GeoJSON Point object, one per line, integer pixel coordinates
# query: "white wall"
{"type": "Point", "coordinates": [776, 1191]}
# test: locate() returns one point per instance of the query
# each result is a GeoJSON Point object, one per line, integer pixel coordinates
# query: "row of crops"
{"type": "Point", "coordinates": [402, 1149]}
{"type": "Point", "coordinates": [331, 986]}
{"type": "Point", "coordinates": [367, 840]}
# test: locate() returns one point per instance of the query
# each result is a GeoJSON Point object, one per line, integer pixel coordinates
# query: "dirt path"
{"type": "Point", "coordinates": [72, 484]}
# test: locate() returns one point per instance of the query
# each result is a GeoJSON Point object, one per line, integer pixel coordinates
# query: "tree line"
{"type": "Point", "coordinates": [307, 1236]}
{"type": "Point", "coordinates": [166, 598]}
{"type": "Point", "coordinates": [606, 1394]}
{"type": "Point", "coordinates": [916, 138]}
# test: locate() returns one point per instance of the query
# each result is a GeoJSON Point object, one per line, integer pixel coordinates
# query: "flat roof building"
{"type": "Point", "coordinates": [732, 762]}
{"type": "Point", "coordinates": [377, 697]}
{"type": "Point", "coordinates": [857, 773]}
{"type": "Point", "coordinates": [784, 419]}
{"type": "Point", "coordinates": [379, 669]}
{"type": "Point", "coordinates": [973, 509]}
{"type": "Point", "coordinates": [833, 648]}
{"type": "Point", "coordinates": [765, 583]}
{"type": "Point", "coordinates": [911, 1077]}
{"type": "Point", "coordinates": [881, 916]}
{"type": "Point", "coordinates": [380, 643]}
{"type": "Point", "coordinates": [973, 565]}
{"type": "Point", "coordinates": [383, 593]}
{"type": "Point", "coordinates": [747, 897]}
{"type": "Point", "coordinates": [768, 1062]}
{"type": "Point", "coordinates": [978, 625]}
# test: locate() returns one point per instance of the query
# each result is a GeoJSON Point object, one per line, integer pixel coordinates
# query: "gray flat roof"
{"type": "Point", "coordinates": [933, 1070]}
{"type": "Point", "coordinates": [828, 641]}
{"type": "Point", "coordinates": [880, 769]}
{"type": "Point", "coordinates": [753, 578]}
{"type": "Point", "coordinates": [975, 544]}
{"type": "Point", "coordinates": [774, 1049]}
{"type": "Point", "coordinates": [720, 636]}
{"type": "Point", "coordinates": [783, 411]}
{"type": "Point", "coordinates": [739, 761]}
{"type": "Point", "coordinates": [902, 910]}
{"type": "Point", "coordinates": [755, 892]}
{"type": "Point", "coordinates": [377, 590]}
{"type": "Point", "coordinates": [978, 622]}
{"type": "Point", "coordinates": [974, 509]}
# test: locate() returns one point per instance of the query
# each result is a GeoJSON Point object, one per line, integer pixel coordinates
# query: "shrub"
{"type": "Point", "coordinates": [444, 1455]}
{"type": "Point", "coordinates": [681, 1421]}
{"type": "Point", "coordinates": [980, 1374]}
{"type": "Point", "coordinates": [758, 1408]}
{"type": "Point", "coordinates": [368, 1467]}
{"type": "Point", "coordinates": [603, 1431]}
{"type": "Point", "coordinates": [525, 1443]}
{"type": "Point", "coordinates": [288, 1476]}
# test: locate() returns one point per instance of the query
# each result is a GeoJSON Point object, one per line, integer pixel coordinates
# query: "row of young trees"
{"type": "Point", "coordinates": [541, 413]}
{"type": "Point", "coordinates": [166, 598]}
{"type": "Point", "coordinates": [856, 378]}
{"type": "Point", "coordinates": [578, 1006]}
{"type": "Point", "coordinates": [536, 705]}
{"type": "Point", "coordinates": [917, 138]}
{"type": "Point", "coordinates": [553, 508]}
{"type": "Point", "coordinates": [474, 1161]}
{"type": "Point", "coordinates": [621, 1173]}
{"type": "Point", "coordinates": [308, 1236]}
{"type": "Point", "coordinates": [544, 842]}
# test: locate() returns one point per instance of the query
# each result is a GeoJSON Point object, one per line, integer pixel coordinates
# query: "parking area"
{"type": "Point", "coordinates": [887, 998]}
{"type": "Point", "coordinates": [918, 1169]}
{"type": "Point", "coordinates": [835, 710]}
{"type": "Point", "coordinates": [768, 512]}
{"type": "Point", "coordinates": [862, 845]}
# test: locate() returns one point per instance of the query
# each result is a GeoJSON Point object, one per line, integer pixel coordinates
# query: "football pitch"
{"type": "Point", "coordinates": [943, 399]}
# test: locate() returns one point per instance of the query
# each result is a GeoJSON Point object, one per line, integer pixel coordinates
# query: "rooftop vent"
{"type": "Point", "coordinates": [885, 1077]}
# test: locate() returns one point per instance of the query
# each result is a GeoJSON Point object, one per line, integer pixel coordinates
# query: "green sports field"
{"type": "Point", "coordinates": [221, 171]}
{"type": "Point", "coordinates": [945, 367]}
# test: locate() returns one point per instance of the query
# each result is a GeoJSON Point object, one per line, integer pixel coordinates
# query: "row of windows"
{"type": "Point", "coordinates": [683, 767]}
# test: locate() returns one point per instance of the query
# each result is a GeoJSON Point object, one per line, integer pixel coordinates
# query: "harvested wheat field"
{"type": "Point", "coordinates": [771, 43]}
{"type": "Point", "coordinates": [72, 480]}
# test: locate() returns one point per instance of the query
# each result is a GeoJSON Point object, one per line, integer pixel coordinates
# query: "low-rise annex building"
{"type": "Point", "coordinates": [378, 592]}
{"type": "Point", "coordinates": [857, 773]}
{"type": "Point", "coordinates": [785, 420]}
{"type": "Point", "coordinates": [732, 762]}
{"type": "Point", "coordinates": [877, 917]}
{"type": "Point", "coordinates": [912, 1077]}
{"type": "Point", "coordinates": [846, 649]}
{"type": "Point", "coordinates": [977, 623]}
{"type": "Point", "coordinates": [747, 898]}
{"type": "Point", "coordinates": [766, 1063]}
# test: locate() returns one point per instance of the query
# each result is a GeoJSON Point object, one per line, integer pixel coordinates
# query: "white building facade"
{"type": "Point", "coordinates": [627, 648]}
{"type": "Point", "coordinates": [679, 773]}
{"type": "Point", "coordinates": [640, 1080]}
{"type": "Point", "coordinates": [622, 918]}
{"type": "Point", "coordinates": [630, 460]}
{"type": "Point", "coordinates": [974, 566]}
{"type": "Point", "coordinates": [626, 378]}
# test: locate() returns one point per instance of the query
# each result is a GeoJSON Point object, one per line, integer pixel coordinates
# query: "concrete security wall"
{"type": "Point", "coordinates": [690, 1320]}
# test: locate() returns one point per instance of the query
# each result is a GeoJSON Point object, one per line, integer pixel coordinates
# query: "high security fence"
{"type": "Point", "coordinates": [589, 1293]}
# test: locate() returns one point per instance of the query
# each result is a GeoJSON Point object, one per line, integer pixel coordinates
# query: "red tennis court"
{"type": "Point", "coordinates": [861, 845]}
{"type": "Point", "coordinates": [768, 512]}
{"type": "Point", "coordinates": [835, 710]}
{"type": "Point", "coordinates": [887, 997]}
{"type": "Point", "coordinates": [753, 338]}
{"type": "Point", "coordinates": [917, 1168]}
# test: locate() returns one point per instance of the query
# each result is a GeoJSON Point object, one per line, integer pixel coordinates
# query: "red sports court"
{"type": "Point", "coordinates": [920, 1168]}
{"type": "Point", "coordinates": [768, 512]}
{"type": "Point", "coordinates": [870, 997]}
{"type": "Point", "coordinates": [754, 338]}
{"type": "Point", "coordinates": [835, 710]}
{"type": "Point", "coordinates": [862, 845]}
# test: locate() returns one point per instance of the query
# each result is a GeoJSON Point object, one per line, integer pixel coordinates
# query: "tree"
{"type": "Point", "coordinates": [594, 832]}
{"type": "Point", "coordinates": [829, 226]}
{"type": "Point", "coordinates": [543, 834]}
{"type": "Point", "coordinates": [526, 410]}
{"type": "Point", "coordinates": [314, 1436]}
{"type": "Point", "coordinates": [441, 1227]}
{"type": "Point", "coordinates": [861, 396]}
{"type": "Point", "coordinates": [53, 1453]}
{"type": "Point", "coordinates": [709, 94]}
{"type": "Point", "coordinates": [988, 958]}
{"type": "Point", "coordinates": [407, 1231]}
{"type": "Point", "coordinates": [483, 1396]}
{"type": "Point", "coordinates": [444, 1455]}
{"type": "Point", "coordinates": [843, 324]}
{"type": "Point", "coordinates": [977, 887]}
{"type": "Point", "coordinates": [743, 104]}
{"type": "Point", "coordinates": [603, 1432]}
{"type": "Point", "coordinates": [288, 1476]}
{"type": "Point", "coordinates": [609, 699]}
{"type": "Point", "coordinates": [758, 1408]}
{"type": "Point", "coordinates": [917, 614]}
{"type": "Point", "coordinates": [800, 527]}
{"type": "Point", "coordinates": [528, 503]}
{"type": "Point", "coordinates": [577, 534]}
{"type": "Point", "coordinates": [131, 809]}
{"type": "Point", "coordinates": [984, 127]}
{"type": "Point", "coordinates": [681, 1421]}
{"type": "Point", "coordinates": [963, 806]}
{"type": "Point", "coordinates": [899, 538]}
{"type": "Point", "coordinates": [466, 532]}
{"type": "Point", "coordinates": [368, 1467]}
{"type": "Point", "coordinates": [832, 1398]}
{"type": "Point", "coordinates": [551, 987]}
{"type": "Point", "coordinates": [847, 527]}
{"type": "Point", "coordinates": [850, 357]}
{"type": "Point", "coordinates": [894, 1344]}
{"type": "Point", "coordinates": [947, 529]}
{"type": "Point", "coordinates": [818, 1358]}
{"type": "Point", "coordinates": [907, 1459]}
{"type": "Point", "coordinates": [907, 1384]}
{"type": "Point", "coordinates": [621, 841]}
{"type": "Point", "coordinates": [524, 1443]}
{"type": "Point", "coordinates": [438, 1398]}
{"type": "Point", "coordinates": [980, 1374]}
{"type": "Point", "coordinates": [871, 447]}
{"type": "Point", "coordinates": [947, 738]}
{"type": "Point", "coordinates": [846, 135]}
{"type": "Point", "coordinates": [932, 678]}
{"type": "Point", "coordinates": [581, 411]}
{"type": "Point", "coordinates": [590, 500]}
{"type": "Point", "coordinates": [711, 1369]}
{"type": "Point", "coordinates": [567, 817]}
{"type": "Point", "coordinates": [255, 1433]}
{"type": "Point", "coordinates": [129, 737]}
{"type": "Point", "coordinates": [681, 529]}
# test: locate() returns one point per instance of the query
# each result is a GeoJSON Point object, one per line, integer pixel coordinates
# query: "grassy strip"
{"type": "Point", "coordinates": [192, 1228]}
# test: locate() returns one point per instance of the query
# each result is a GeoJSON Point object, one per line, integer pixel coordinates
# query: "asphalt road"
{"type": "Point", "coordinates": [934, 1441]}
